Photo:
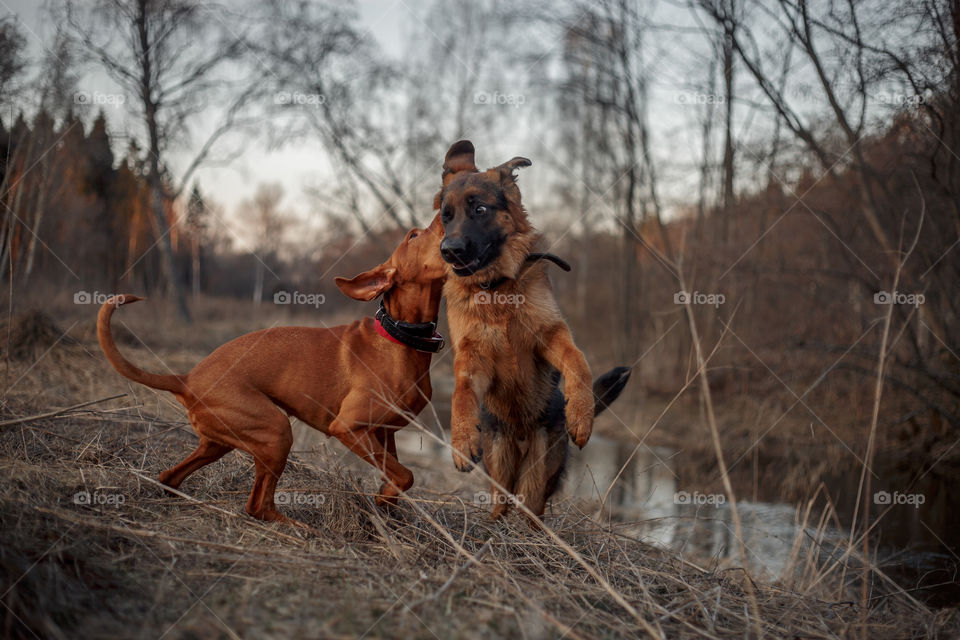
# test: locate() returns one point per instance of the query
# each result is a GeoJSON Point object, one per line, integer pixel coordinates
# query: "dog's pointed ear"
{"type": "Point", "coordinates": [460, 157]}
{"type": "Point", "coordinates": [507, 168]}
{"type": "Point", "coordinates": [369, 284]}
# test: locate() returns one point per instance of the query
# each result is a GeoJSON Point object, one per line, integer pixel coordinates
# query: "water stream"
{"type": "Point", "coordinates": [916, 542]}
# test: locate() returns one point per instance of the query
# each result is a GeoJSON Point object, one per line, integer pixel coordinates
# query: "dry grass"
{"type": "Point", "coordinates": [177, 567]}
{"type": "Point", "coordinates": [160, 564]}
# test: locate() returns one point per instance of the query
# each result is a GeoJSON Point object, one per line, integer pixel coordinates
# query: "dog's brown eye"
{"type": "Point", "coordinates": [480, 210]}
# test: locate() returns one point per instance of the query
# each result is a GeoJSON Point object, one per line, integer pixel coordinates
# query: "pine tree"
{"type": "Point", "coordinates": [197, 215]}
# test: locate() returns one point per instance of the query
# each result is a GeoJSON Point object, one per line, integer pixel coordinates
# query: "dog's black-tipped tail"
{"type": "Point", "coordinates": [607, 387]}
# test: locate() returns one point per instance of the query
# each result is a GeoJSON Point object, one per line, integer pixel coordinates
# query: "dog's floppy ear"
{"type": "Point", "coordinates": [459, 158]}
{"type": "Point", "coordinates": [436, 225]}
{"type": "Point", "coordinates": [507, 168]}
{"type": "Point", "coordinates": [369, 284]}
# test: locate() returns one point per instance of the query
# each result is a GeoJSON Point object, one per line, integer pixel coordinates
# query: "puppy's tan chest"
{"type": "Point", "coordinates": [505, 344]}
{"type": "Point", "coordinates": [488, 335]}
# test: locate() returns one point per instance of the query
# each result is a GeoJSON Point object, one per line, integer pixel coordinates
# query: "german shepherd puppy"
{"type": "Point", "coordinates": [511, 345]}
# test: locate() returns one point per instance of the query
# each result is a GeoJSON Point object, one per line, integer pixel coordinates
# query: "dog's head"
{"type": "Point", "coordinates": [485, 225]}
{"type": "Point", "coordinates": [416, 261]}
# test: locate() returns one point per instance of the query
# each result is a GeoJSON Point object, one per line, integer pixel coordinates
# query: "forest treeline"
{"type": "Point", "coordinates": [79, 217]}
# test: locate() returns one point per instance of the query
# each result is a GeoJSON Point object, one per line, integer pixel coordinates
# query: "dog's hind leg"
{"type": "Point", "coordinates": [542, 466]}
{"type": "Point", "coordinates": [258, 427]}
{"type": "Point", "coordinates": [206, 452]}
{"type": "Point", "coordinates": [555, 461]}
{"type": "Point", "coordinates": [532, 474]}
{"type": "Point", "coordinates": [270, 458]}
{"type": "Point", "coordinates": [501, 458]}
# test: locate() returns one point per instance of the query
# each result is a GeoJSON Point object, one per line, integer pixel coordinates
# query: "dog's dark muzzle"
{"type": "Point", "coordinates": [456, 250]}
{"type": "Point", "coordinates": [461, 254]}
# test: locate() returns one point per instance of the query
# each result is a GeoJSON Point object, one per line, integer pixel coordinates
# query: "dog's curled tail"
{"type": "Point", "coordinates": [126, 368]}
{"type": "Point", "coordinates": [607, 387]}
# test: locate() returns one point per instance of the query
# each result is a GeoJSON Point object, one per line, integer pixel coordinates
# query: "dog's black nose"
{"type": "Point", "coordinates": [453, 249]}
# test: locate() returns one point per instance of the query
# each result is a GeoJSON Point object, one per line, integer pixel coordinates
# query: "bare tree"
{"type": "Point", "coordinates": [58, 83]}
{"type": "Point", "coordinates": [268, 224]}
{"type": "Point", "coordinates": [197, 223]}
{"type": "Point", "coordinates": [606, 70]}
{"type": "Point", "coordinates": [172, 59]}
{"type": "Point", "coordinates": [12, 60]}
{"type": "Point", "coordinates": [857, 58]}
{"type": "Point", "coordinates": [796, 24]}
{"type": "Point", "coordinates": [729, 31]}
{"type": "Point", "coordinates": [385, 126]}
{"type": "Point", "coordinates": [327, 79]}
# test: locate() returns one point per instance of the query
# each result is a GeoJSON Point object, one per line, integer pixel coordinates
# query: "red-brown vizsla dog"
{"type": "Point", "coordinates": [354, 382]}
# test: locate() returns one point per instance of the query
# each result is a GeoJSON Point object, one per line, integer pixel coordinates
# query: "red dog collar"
{"type": "Point", "coordinates": [384, 333]}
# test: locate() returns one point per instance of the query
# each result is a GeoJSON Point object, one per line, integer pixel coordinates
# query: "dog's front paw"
{"type": "Point", "coordinates": [579, 422]}
{"type": "Point", "coordinates": [467, 450]}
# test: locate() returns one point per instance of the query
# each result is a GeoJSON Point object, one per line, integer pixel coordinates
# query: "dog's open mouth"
{"type": "Point", "coordinates": [469, 268]}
